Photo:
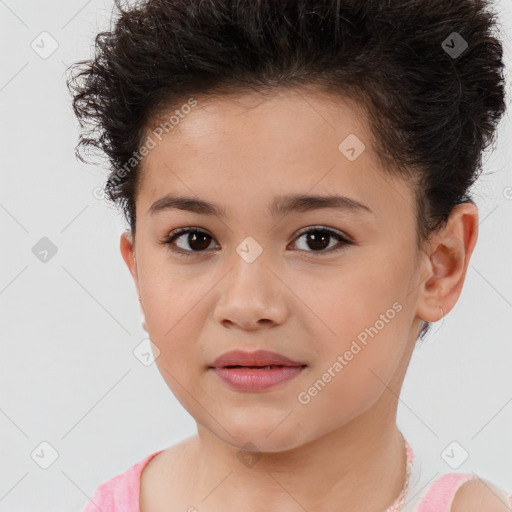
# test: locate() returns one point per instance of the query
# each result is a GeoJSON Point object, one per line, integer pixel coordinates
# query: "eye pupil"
{"type": "Point", "coordinates": [197, 236]}
{"type": "Point", "coordinates": [316, 237]}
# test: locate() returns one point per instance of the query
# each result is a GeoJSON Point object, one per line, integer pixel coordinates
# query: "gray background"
{"type": "Point", "coordinates": [69, 377]}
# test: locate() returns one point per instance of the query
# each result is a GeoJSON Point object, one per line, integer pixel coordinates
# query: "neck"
{"type": "Point", "coordinates": [360, 467]}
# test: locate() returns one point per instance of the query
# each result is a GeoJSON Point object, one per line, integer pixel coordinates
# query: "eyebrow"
{"type": "Point", "coordinates": [280, 206]}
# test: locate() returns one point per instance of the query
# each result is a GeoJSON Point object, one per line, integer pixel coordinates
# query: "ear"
{"type": "Point", "coordinates": [127, 246]}
{"type": "Point", "coordinates": [446, 262]}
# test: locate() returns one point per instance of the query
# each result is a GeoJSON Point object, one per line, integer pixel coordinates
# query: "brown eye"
{"type": "Point", "coordinates": [318, 239]}
{"type": "Point", "coordinates": [194, 241]}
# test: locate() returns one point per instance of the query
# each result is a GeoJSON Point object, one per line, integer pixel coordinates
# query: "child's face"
{"type": "Point", "coordinates": [298, 297]}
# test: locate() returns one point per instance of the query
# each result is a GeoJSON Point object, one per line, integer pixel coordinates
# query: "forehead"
{"type": "Point", "coordinates": [282, 114]}
{"type": "Point", "coordinates": [291, 141]}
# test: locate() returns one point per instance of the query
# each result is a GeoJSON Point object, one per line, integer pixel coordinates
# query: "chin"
{"type": "Point", "coordinates": [266, 439]}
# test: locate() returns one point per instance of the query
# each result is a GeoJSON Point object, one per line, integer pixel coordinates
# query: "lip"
{"type": "Point", "coordinates": [258, 358]}
{"type": "Point", "coordinates": [253, 379]}
{"type": "Point", "coordinates": [240, 370]}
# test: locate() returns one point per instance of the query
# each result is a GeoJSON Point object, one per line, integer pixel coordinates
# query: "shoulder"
{"type": "Point", "coordinates": [119, 492]}
{"type": "Point", "coordinates": [478, 495]}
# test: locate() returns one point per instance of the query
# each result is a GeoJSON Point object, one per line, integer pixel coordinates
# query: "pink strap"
{"type": "Point", "coordinates": [440, 495]}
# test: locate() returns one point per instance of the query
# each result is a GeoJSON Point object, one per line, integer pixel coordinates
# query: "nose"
{"type": "Point", "coordinates": [251, 296]}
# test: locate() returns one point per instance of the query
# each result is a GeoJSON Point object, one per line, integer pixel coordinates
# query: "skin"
{"type": "Point", "coordinates": [480, 495]}
{"type": "Point", "coordinates": [343, 447]}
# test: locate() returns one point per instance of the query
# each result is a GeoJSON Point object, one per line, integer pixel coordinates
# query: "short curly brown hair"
{"type": "Point", "coordinates": [429, 74]}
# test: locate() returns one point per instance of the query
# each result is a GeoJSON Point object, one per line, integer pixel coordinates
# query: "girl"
{"type": "Point", "coordinates": [322, 153]}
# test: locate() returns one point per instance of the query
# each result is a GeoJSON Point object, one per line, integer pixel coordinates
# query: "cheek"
{"type": "Point", "coordinates": [364, 321]}
{"type": "Point", "coordinates": [172, 321]}
{"type": "Point", "coordinates": [174, 329]}
{"type": "Point", "coordinates": [348, 300]}
{"type": "Point", "coordinates": [169, 296]}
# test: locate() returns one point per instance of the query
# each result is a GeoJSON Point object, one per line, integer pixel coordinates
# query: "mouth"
{"type": "Point", "coordinates": [255, 371]}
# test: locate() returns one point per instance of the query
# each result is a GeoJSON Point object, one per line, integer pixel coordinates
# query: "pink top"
{"type": "Point", "coordinates": [441, 494]}
{"type": "Point", "coordinates": [121, 492]}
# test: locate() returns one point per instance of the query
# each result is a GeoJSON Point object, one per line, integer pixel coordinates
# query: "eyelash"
{"type": "Point", "coordinates": [315, 229]}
